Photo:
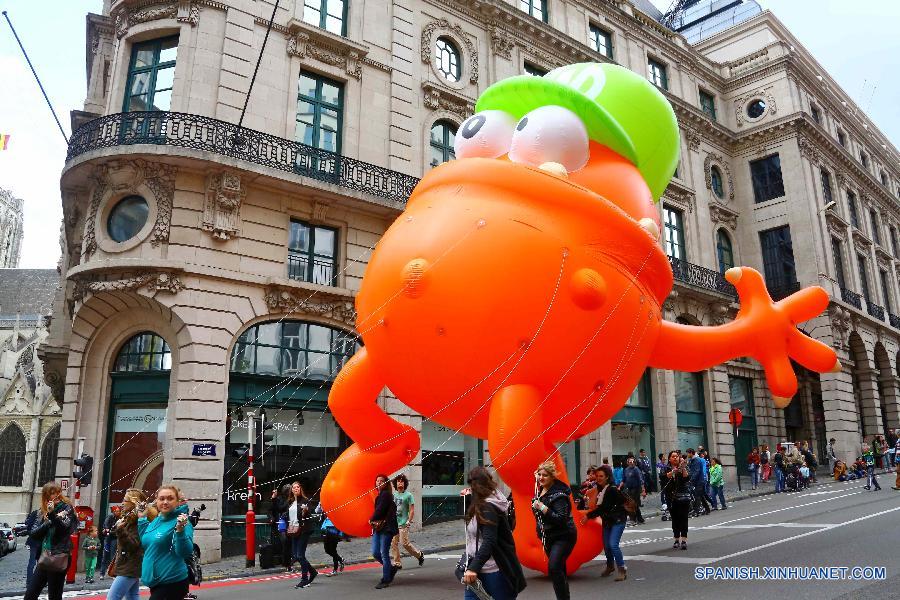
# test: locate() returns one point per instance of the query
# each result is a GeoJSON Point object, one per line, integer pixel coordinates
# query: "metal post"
{"type": "Point", "coordinates": [737, 462]}
{"type": "Point", "coordinates": [76, 499]}
{"type": "Point", "coordinates": [251, 493]}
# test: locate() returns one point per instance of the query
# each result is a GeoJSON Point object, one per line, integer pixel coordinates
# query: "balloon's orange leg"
{"type": "Point", "coordinates": [382, 445]}
{"type": "Point", "coordinates": [517, 446]}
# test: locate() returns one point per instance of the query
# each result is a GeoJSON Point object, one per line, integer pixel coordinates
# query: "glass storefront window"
{"type": "Point", "coordinates": [688, 391]}
{"type": "Point", "coordinates": [138, 437]}
{"type": "Point", "coordinates": [691, 437]}
{"type": "Point", "coordinates": [630, 437]}
{"type": "Point", "coordinates": [741, 392]}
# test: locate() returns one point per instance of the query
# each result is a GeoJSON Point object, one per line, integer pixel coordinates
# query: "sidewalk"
{"type": "Point", "coordinates": [447, 537]}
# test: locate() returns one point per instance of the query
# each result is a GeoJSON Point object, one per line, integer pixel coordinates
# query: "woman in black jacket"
{"type": "Point", "coordinates": [490, 550]}
{"type": "Point", "coordinates": [611, 509]}
{"type": "Point", "coordinates": [384, 528]}
{"type": "Point", "coordinates": [278, 511]}
{"type": "Point", "coordinates": [678, 497]}
{"type": "Point", "coordinates": [56, 522]}
{"type": "Point", "coordinates": [555, 526]}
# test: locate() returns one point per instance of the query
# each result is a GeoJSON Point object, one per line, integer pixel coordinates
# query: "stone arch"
{"type": "Point", "coordinates": [865, 387]}
{"type": "Point", "coordinates": [887, 389]}
{"type": "Point", "coordinates": [442, 115]}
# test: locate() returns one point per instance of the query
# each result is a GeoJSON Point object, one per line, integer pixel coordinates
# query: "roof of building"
{"type": "Point", "coordinates": [647, 7]}
{"type": "Point", "coordinates": [28, 292]}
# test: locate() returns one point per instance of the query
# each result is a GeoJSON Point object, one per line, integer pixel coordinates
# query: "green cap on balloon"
{"type": "Point", "coordinates": [620, 109]}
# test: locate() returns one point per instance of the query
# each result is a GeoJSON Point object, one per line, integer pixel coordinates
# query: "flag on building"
{"type": "Point", "coordinates": [4, 141]}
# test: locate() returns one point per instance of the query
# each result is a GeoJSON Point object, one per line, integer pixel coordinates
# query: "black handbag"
{"type": "Point", "coordinates": [53, 562]}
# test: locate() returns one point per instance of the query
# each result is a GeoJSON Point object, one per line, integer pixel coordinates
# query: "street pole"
{"type": "Point", "coordinates": [734, 432]}
{"type": "Point", "coordinates": [251, 493]}
{"type": "Point", "coordinates": [73, 562]}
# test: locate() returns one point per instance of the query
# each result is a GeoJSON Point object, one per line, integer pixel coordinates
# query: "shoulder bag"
{"type": "Point", "coordinates": [53, 562]}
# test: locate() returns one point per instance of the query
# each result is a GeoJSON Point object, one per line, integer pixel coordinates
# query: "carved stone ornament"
{"type": "Point", "coordinates": [222, 208]}
{"type": "Point", "coordinates": [836, 225]}
{"type": "Point", "coordinates": [443, 27]}
{"type": "Point", "coordinates": [154, 282]}
{"type": "Point", "coordinates": [185, 11]}
{"type": "Point", "coordinates": [302, 45]}
{"type": "Point", "coordinates": [717, 160]}
{"type": "Point", "coordinates": [693, 139]}
{"type": "Point", "coordinates": [840, 325]}
{"type": "Point", "coordinates": [862, 242]}
{"type": "Point", "coordinates": [679, 198]}
{"type": "Point", "coordinates": [501, 42]}
{"type": "Point", "coordinates": [809, 151]}
{"type": "Point", "coordinates": [321, 304]}
{"type": "Point", "coordinates": [722, 215]}
{"type": "Point", "coordinates": [437, 98]}
{"type": "Point", "coordinates": [740, 106]}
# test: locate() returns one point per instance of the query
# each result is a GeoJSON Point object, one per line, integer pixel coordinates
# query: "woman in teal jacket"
{"type": "Point", "coordinates": [168, 541]}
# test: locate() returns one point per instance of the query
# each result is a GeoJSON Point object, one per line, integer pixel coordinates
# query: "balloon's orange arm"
{"type": "Point", "coordinates": [763, 329]}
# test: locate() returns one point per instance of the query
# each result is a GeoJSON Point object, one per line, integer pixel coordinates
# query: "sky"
{"type": "Point", "coordinates": [856, 42]}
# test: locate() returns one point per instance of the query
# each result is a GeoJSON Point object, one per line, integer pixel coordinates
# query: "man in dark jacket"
{"type": "Point", "coordinates": [633, 486]}
{"type": "Point", "coordinates": [34, 547]}
{"type": "Point", "coordinates": [384, 528]}
{"type": "Point", "coordinates": [699, 476]}
{"type": "Point", "coordinates": [778, 463]}
{"type": "Point", "coordinates": [108, 537]}
{"type": "Point", "coordinates": [645, 464]}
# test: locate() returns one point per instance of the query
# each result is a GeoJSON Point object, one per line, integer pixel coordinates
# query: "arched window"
{"type": "Point", "coordinates": [723, 248]}
{"type": "Point", "coordinates": [144, 352]}
{"type": "Point", "coordinates": [443, 134]}
{"type": "Point", "coordinates": [49, 452]}
{"type": "Point", "coordinates": [715, 177]}
{"type": "Point", "coordinates": [296, 348]}
{"type": "Point", "coordinates": [12, 456]}
{"type": "Point", "coordinates": [446, 58]}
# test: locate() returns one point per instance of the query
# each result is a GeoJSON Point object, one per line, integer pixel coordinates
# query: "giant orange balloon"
{"type": "Point", "coordinates": [520, 303]}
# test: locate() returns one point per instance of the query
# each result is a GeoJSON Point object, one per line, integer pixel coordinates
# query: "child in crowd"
{"type": "Point", "coordinates": [91, 547]}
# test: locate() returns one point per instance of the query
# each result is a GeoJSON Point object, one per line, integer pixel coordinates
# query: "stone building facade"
{"type": "Point", "coordinates": [30, 397]}
{"type": "Point", "coordinates": [210, 270]}
{"type": "Point", "coordinates": [11, 227]}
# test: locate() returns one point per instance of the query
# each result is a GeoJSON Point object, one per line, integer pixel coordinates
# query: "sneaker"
{"type": "Point", "coordinates": [302, 583]}
{"type": "Point", "coordinates": [313, 575]}
{"type": "Point", "coordinates": [394, 569]}
{"type": "Point", "coordinates": [675, 545]}
{"type": "Point", "coordinates": [866, 487]}
{"type": "Point", "coordinates": [341, 567]}
{"type": "Point", "coordinates": [331, 573]}
{"type": "Point", "coordinates": [381, 585]}
{"type": "Point", "coordinates": [421, 559]}
{"type": "Point", "coordinates": [684, 545]}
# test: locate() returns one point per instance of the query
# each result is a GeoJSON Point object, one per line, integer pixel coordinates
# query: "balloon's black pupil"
{"type": "Point", "coordinates": [473, 126]}
{"type": "Point", "coordinates": [522, 124]}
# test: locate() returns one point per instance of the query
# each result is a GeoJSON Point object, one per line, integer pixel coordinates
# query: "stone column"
{"type": "Point", "coordinates": [721, 437]}
{"type": "Point", "coordinates": [891, 395]}
{"type": "Point", "coordinates": [665, 423]}
{"type": "Point", "coordinates": [871, 406]}
{"type": "Point", "coordinates": [32, 457]}
{"type": "Point", "coordinates": [840, 414]}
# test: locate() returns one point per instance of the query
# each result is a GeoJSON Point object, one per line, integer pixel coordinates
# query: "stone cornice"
{"type": "Point", "coordinates": [836, 224]}
{"type": "Point", "coordinates": [332, 306]}
{"type": "Point", "coordinates": [154, 280]}
{"type": "Point", "coordinates": [437, 97]}
{"type": "Point", "coordinates": [861, 240]}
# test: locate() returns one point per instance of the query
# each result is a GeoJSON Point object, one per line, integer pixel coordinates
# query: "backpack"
{"type": "Point", "coordinates": [511, 513]}
{"type": "Point", "coordinates": [195, 571]}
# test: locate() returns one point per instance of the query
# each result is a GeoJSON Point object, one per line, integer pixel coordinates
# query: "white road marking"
{"type": "Point", "coordinates": [671, 559]}
{"type": "Point", "coordinates": [788, 508]}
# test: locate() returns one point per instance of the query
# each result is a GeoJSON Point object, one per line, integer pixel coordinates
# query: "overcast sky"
{"type": "Point", "coordinates": [857, 42]}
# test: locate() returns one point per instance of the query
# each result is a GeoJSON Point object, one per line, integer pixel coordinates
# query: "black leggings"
{"type": "Point", "coordinates": [331, 542]}
{"type": "Point", "coordinates": [680, 510]}
{"type": "Point", "coordinates": [558, 550]}
{"type": "Point", "coordinates": [170, 591]}
{"type": "Point", "coordinates": [54, 583]}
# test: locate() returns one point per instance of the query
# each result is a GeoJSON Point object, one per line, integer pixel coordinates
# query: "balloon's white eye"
{"type": "Point", "coordinates": [551, 134]}
{"type": "Point", "coordinates": [485, 135]}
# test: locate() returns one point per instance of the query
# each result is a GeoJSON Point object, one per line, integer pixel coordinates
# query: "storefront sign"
{"type": "Point", "coordinates": [204, 450]}
{"type": "Point", "coordinates": [64, 486]}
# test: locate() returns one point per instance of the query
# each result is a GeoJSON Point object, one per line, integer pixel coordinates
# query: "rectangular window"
{"type": "Point", "coordinates": [601, 41]}
{"type": "Point", "coordinates": [816, 115]}
{"type": "Point", "coordinates": [864, 159]}
{"type": "Point", "coordinates": [884, 179]}
{"type": "Point", "coordinates": [741, 393]}
{"type": "Point", "coordinates": [766, 176]}
{"type": "Point", "coordinates": [151, 75]}
{"type": "Point", "coordinates": [864, 276]}
{"type": "Point", "coordinates": [535, 8]}
{"type": "Point", "coordinates": [852, 210]}
{"type": "Point", "coordinates": [884, 291]}
{"type": "Point", "coordinates": [312, 254]}
{"type": "Point", "coordinates": [656, 73]}
{"type": "Point", "coordinates": [327, 14]}
{"type": "Point", "coordinates": [838, 253]}
{"type": "Point", "coordinates": [826, 186]}
{"type": "Point", "coordinates": [708, 104]}
{"type": "Point", "coordinates": [320, 107]}
{"type": "Point", "coordinates": [778, 257]}
{"type": "Point", "coordinates": [531, 69]}
{"type": "Point", "coordinates": [674, 230]}
{"type": "Point", "coordinates": [876, 230]}
{"type": "Point", "coordinates": [894, 241]}
{"type": "Point", "coordinates": [842, 139]}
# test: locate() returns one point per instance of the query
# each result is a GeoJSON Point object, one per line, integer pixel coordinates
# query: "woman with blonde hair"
{"type": "Point", "coordinates": [55, 524]}
{"type": "Point", "coordinates": [129, 552]}
{"type": "Point", "coordinates": [555, 527]}
{"type": "Point", "coordinates": [168, 540]}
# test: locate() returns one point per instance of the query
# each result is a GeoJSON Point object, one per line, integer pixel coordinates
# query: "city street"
{"type": "Point", "coordinates": [839, 525]}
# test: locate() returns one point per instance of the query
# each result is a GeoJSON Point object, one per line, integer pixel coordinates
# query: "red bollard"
{"type": "Point", "coordinates": [251, 538]}
{"type": "Point", "coordinates": [73, 562]}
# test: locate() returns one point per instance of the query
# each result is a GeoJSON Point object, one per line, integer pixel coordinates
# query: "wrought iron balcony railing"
{"type": "Point", "coordinates": [875, 310]}
{"type": "Point", "coordinates": [851, 298]}
{"type": "Point", "coordinates": [212, 135]}
{"type": "Point", "coordinates": [783, 291]}
{"type": "Point", "coordinates": [701, 277]}
{"type": "Point", "coordinates": [894, 320]}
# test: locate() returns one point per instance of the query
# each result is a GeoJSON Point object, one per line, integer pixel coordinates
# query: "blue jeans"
{"type": "Point", "coordinates": [124, 587]}
{"type": "Point", "coordinates": [495, 585]}
{"type": "Point", "coordinates": [34, 551]}
{"type": "Point", "coordinates": [779, 480]}
{"type": "Point", "coordinates": [754, 477]}
{"type": "Point", "coordinates": [109, 553]}
{"type": "Point", "coordinates": [611, 535]}
{"type": "Point", "coordinates": [298, 552]}
{"type": "Point", "coordinates": [381, 551]}
{"type": "Point", "coordinates": [718, 493]}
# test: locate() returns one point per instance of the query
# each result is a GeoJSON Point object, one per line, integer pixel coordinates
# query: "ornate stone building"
{"type": "Point", "coordinates": [210, 269]}
{"type": "Point", "coordinates": [30, 397]}
{"type": "Point", "coordinates": [11, 223]}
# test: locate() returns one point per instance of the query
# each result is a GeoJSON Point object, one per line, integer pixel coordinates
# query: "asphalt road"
{"type": "Point", "coordinates": [830, 526]}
